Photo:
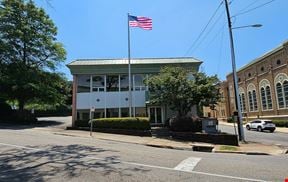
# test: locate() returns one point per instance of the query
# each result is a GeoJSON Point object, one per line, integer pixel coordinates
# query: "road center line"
{"type": "Point", "coordinates": [136, 164]}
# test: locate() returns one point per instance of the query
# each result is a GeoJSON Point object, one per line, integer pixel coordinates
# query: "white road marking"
{"type": "Point", "coordinates": [187, 164]}
{"type": "Point", "coordinates": [133, 163]}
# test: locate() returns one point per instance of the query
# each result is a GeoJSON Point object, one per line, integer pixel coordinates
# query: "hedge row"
{"type": "Point", "coordinates": [128, 123]}
{"type": "Point", "coordinates": [281, 123]}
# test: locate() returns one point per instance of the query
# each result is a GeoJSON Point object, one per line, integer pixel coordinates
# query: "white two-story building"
{"type": "Point", "coordinates": [101, 86]}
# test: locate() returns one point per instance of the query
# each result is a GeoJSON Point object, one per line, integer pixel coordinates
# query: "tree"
{"type": "Point", "coordinates": [29, 53]}
{"type": "Point", "coordinates": [180, 89]}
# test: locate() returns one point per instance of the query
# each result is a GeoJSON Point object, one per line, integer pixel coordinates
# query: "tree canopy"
{"type": "Point", "coordinates": [29, 54]}
{"type": "Point", "coordinates": [180, 89]}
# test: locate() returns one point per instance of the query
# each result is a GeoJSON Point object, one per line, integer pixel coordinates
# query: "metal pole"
{"type": "Point", "coordinates": [237, 98]}
{"type": "Point", "coordinates": [129, 70]}
{"type": "Point", "coordinates": [91, 124]}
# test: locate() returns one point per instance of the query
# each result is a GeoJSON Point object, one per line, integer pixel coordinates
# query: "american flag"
{"type": "Point", "coordinates": [141, 22]}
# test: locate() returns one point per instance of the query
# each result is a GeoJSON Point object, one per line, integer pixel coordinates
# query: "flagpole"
{"type": "Point", "coordinates": [129, 70]}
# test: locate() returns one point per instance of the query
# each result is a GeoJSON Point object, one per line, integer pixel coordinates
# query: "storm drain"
{"type": "Point", "coordinates": [202, 148]}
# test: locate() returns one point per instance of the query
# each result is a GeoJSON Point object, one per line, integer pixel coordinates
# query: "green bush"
{"type": "Point", "coordinates": [128, 123]}
{"type": "Point", "coordinates": [5, 110]}
{"type": "Point", "coordinates": [82, 123]}
{"type": "Point", "coordinates": [230, 120]}
{"type": "Point", "coordinates": [186, 124]}
{"type": "Point", "coordinates": [281, 123]}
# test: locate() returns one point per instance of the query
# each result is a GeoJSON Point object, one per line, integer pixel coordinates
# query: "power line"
{"type": "Point", "coordinates": [208, 32]}
{"type": "Point", "coordinates": [203, 30]}
{"type": "Point", "coordinates": [248, 6]}
{"type": "Point", "coordinates": [252, 9]}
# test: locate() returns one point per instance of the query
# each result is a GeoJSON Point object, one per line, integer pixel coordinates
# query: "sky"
{"type": "Point", "coordinates": [95, 29]}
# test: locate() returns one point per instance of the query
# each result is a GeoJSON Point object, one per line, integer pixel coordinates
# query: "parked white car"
{"type": "Point", "coordinates": [261, 125]}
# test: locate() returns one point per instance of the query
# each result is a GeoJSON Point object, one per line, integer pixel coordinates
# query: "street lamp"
{"type": "Point", "coordinates": [255, 26]}
{"type": "Point", "coordinates": [237, 98]}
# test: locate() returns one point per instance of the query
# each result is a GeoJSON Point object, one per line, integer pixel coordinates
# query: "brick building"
{"type": "Point", "coordinates": [263, 88]}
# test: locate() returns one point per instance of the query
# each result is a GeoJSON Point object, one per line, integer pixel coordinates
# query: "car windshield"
{"type": "Point", "coordinates": [268, 122]}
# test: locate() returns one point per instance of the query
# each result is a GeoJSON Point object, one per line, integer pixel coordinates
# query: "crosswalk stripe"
{"type": "Point", "coordinates": [187, 164]}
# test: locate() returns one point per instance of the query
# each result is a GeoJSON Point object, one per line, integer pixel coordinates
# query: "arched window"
{"type": "Point", "coordinates": [265, 93]}
{"type": "Point", "coordinates": [242, 99]}
{"type": "Point", "coordinates": [252, 98]}
{"type": "Point", "coordinates": [281, 84]}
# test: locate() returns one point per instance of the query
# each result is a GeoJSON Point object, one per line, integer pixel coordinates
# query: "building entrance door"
{"type": "Point", "coordinates": [155, 115]}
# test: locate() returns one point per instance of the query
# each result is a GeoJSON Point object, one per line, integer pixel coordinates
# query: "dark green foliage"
{"type": "Point", "coordinates": [23, 117]}
{"type": "Point", "coordinates": [122, 123]}
{"type": "Point", "coordinates": [5, 110]}
{"type": "Point", "coordinates": [230, 120]}
{"type": "Point", "coordinates": [82, 123]}
{"type": "Point", "coordinates": [186, 124]}
{"type": "Point", "coordinates": [180, 89]}
{"type": "Point", "coordinates": [29, 54]}
{"type": "Point", "coordinates": [281, 123]}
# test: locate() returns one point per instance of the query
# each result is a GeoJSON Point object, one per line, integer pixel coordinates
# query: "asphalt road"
{"type": "Point", "coordinates": [30, 154]}
{"type": "Point", "coordinates": [265, 137]}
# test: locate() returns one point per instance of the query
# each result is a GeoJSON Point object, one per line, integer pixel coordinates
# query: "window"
{"type": "Point", "coordinates": [223, 113]}
{"type": "Point", "coordinates": [124, 83]}
{"type": "Point", "coordinates": [253, 106]}
{"type": "Point", "coordinates": [278, 62]}
{"type": "Point", "coordinates": [98, 83]}
{"type": "Point", "coordinates": [242, 99]}
{"type": "Point", "coordinates": [112, 83]}
{"type": "Point", "coordinates": [265, 93]}
{"type": "Point", "coordinates": [125, 112]}
{"type": "Point", "coordinates": [281, 82]}
{"type": "Point", "coordinates": [255, 100]}
{"type": "Point", "coordinates": [140, 112]}
{"type": "Point", "coordinates": [249, 74]}
{"type": "Point", "coordinates": [263, 98]}
{"type": "Point", "coordinates": [269, 99]}
{"type": "Point", "coordinates": [262, 68]}
{"type": "Point", "coordinates": [99, 113]}
{"type": "Point", "coordinates": [243, 109]}
{"type": "Point", "coordinates": [285, 88]}
{"type": "Point", "coordinates": [139, 82]}
{"type": "Point", "coordinates": [83, 83]}
{"type": "Point", "coordinates": [112, 112]}
{"type": "Point", "coordinates": [280, 95]}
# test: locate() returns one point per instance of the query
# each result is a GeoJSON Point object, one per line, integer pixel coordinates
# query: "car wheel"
{"type": "Point", "coordinates": [272, 130]}
{"type": "Point", "coordinates": [248, 127]}
{"type": "Point", "coordinates": [259, 128]}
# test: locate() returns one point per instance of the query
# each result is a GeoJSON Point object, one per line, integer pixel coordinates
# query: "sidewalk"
{"type": "Point", "coordinates": [247, 148]}
{"type": "Point", "coordinates": [278, 129]}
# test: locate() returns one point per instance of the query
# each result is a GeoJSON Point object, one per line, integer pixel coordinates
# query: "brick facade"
{"type": "Point", "coordinates": [264, 72]}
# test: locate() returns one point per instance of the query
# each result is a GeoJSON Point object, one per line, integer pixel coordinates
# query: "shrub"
{"type": "Point", "coordinates": [281, 123]}
{"type": "Point", "coordinates": [23, 117]}
{"type": "Point", "coordinates": [186, 124]}
{"type": "Point", "coordinates": [128, 123]}
{"type": "Point", "coordinates": [82, 123]}
{"type": "Point", "coordinates": [230, 120]}
{"type": "Point", "coordinates": [5, 110]}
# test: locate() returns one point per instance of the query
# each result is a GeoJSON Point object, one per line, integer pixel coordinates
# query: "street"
{"type": "Point", "coordinates": [37, 154]}
{"type": "Point", "coordinates": [275, 138]}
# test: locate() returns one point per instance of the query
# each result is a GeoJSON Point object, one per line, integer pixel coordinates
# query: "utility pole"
{"type": "Point", "coordinates": [237, 98]}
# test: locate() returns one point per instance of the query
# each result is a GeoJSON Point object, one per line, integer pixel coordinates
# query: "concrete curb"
{"type": "Point", "coordinates": [174, 147]}
{"type": "Point", "coordinates": [241, 152]}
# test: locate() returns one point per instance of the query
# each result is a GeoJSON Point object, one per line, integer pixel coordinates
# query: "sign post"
{"type": "Point", "coordinates": [91, 123]}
